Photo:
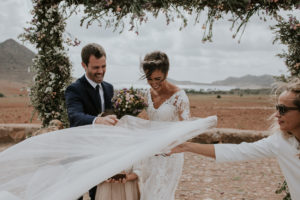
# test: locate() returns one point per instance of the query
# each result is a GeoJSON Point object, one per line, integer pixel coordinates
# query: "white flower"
{"type": "Point", "coordinates": [52, 76]}
{"type": "Point", "coordinates": [48, 89]}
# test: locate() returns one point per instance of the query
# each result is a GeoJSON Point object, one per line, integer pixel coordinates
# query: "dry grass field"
{"type": "Point", "coordinates": [240, 112]}
{"type": "Point", "coordinates": [248, 112]}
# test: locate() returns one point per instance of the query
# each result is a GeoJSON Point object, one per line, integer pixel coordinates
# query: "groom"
{"type": "Point", "coordinates": [90, 96]}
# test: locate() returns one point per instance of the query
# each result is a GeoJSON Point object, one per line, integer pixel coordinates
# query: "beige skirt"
{"type": "Point", "coordinates": [118, 191]}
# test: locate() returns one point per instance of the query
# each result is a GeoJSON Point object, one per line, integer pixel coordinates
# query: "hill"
{"type": "Point", "coordinates": [176, 82]}
{"type": "Point", "coordinates": [244, 82]}
{"type": "Point", "coordinates": [15, 60]}
{"type": "Point", "coordinates": [248, 81]}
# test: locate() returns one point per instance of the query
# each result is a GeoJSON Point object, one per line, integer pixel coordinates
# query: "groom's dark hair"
{"type": "Point", "coordinates": [92, 49]}
{"type": "Point", "coordinates": [153, 61]}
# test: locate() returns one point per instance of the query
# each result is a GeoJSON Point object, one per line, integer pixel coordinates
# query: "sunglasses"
{"type": "Point", "coordinates": [282, 109]}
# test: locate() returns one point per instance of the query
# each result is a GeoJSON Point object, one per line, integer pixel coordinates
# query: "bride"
{"type": "Point", "coordinates": [158, 175]}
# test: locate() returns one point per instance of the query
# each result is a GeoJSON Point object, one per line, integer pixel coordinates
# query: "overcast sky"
{"type": "Point", "coordinates": [190, 59]}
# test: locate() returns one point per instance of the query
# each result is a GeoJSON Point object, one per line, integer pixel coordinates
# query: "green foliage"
{"type": "Point", "coordinates": [288, 33]}
{"type": "Point", "coordinates": [111, 14]}
{"type": "Point", "coordinates": [2, 95]}
{"type": "Point", "coordinates": [51, 65]}
{"type": "Point", "coordinates": [284, 188]}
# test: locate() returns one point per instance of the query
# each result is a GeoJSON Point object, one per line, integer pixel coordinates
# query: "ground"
{"type": "Point", "coordinates": [202, 178]}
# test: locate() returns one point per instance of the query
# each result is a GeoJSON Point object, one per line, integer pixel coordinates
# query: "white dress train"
{"type": "Point", "coordinates": [64, 164]}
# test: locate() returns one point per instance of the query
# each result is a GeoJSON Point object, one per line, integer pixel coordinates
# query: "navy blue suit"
{"type": "Point", "coordinates": [83, 107]}
{"type": "Point", "coordinates": [82, 102]}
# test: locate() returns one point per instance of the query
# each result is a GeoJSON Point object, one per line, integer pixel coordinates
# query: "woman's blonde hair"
{"type": "Point", "coordinates": [291, 86]}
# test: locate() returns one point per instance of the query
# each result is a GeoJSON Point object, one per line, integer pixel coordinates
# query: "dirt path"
{"type": "Point", "coordinates": [204, 179]}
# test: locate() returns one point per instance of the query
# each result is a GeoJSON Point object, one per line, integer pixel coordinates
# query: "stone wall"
{"type": "Point", "coordinates": [16, 132]}
{"type": "Point", "coordinates": [228, 135]}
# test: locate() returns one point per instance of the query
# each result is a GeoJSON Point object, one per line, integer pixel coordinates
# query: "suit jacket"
{"type": "Point", "coordinates": [81, 101]}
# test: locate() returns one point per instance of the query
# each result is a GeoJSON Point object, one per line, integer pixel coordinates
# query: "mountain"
{"type": "Point", "coordinates": [244, 82]}
{"type": "Point", "coordinates": [248, 81]}
{"type": "Point", "coordinates": [15, 60]}
{"type": "Point", "coordinates": [176, 82]}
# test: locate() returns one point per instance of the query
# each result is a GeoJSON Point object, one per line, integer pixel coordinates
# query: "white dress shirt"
{"type": "Point", "coordinates": [94, 84]}
{"type": "Point", "coordinates": [286, 150]}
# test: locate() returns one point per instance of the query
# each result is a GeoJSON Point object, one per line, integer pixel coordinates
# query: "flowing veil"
{"type": "Point", "coordinates": [65, 164]}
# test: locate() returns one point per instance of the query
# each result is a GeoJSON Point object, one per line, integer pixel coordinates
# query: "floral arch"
{"type": "Point", "coordinates": [52, 65]}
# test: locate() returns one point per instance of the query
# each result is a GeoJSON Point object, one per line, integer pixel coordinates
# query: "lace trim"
{"type": "Point", "coordinates": [166, 101]}
{"type": "Point", "coordinates": [179, 100]}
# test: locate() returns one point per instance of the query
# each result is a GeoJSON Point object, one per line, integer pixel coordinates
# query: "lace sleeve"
{"type": "Point", "coordinates": [183, 106]}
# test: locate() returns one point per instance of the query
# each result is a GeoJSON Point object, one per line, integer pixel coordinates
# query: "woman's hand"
{"type": "Point", "coordinates": [179, 149]}
{"type": "Point", "coordinates": [129, 177]}
{"type": "Point", "coordinates": [143, 115]}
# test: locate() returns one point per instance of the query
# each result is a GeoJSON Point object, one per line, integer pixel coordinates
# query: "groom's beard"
{"type": "Point", "coordinates": [98, 78]}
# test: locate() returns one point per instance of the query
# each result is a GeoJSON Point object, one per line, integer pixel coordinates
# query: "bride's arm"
{"type": "Point", "coordinates": [183, 106]}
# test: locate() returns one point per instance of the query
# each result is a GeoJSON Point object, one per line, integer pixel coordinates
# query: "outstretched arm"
{"type": "Point", "coordinates": [202, 149]}
{"type": "Point", "coordinates": [264, 148]}
{"type": "Point", "coordinates": [183, 106]}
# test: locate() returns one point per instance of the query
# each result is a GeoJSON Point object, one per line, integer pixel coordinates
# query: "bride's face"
{"type": "Point", "coordinates": [157, 80]}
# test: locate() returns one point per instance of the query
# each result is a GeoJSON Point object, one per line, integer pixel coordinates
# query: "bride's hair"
{"type": "Point", "coordinates": [153, 61]}
{"type": "Point", "coordinates": [292, 85]}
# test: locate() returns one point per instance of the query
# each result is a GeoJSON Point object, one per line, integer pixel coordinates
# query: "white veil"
{"type": "Point", "coordinates": [65, 164]}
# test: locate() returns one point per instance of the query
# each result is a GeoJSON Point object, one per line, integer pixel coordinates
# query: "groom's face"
{"type": "Point", "coordinates": [96, 68]}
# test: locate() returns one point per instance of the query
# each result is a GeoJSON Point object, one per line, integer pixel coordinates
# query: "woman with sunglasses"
{"type": "Point", "coordinates": [284, 144]}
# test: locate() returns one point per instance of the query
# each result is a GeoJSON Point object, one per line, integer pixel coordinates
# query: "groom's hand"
{"type": "Point", "coordinates": [107, 120]}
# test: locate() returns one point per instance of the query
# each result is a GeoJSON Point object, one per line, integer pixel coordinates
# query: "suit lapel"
{"type": "Point", "coordinates": [107, 100]}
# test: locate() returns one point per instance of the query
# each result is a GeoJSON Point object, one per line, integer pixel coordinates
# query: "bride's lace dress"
{"type": "Point", "coordinates": [159, 175]}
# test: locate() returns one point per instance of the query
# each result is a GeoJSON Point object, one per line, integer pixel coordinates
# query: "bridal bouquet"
{"type": "Point", "coordinates": [128, 102]}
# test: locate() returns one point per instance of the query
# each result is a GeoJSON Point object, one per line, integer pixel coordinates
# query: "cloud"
{"type": "Point", "coordinates": [190, 59]}
{"type": "Point", "coordinates": [14, 14]}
